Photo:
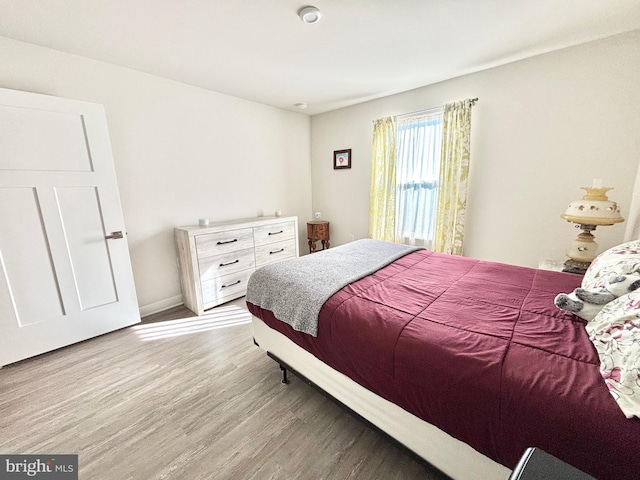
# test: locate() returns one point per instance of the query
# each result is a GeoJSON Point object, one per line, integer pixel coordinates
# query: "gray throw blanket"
{"type": "Point", "coordinates": [295, 290]}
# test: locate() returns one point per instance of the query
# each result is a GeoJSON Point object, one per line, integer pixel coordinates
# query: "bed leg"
{"type": "Point", "coordinates": [281, 364]}
{"type": "Point", "coordinates": [284, 374]}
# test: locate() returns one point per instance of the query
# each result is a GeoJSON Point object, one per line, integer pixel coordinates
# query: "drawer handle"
{"type": "Point", "coordinates": [231, 284]}
{"type": "Point", "coordinates": [276, 251]}
{"type": "Point", "coordinates": [229, 241]}
{"type": "Point", "coordinates": [276, 233]}
{"type": "Point", "coordinates": [230, 263]}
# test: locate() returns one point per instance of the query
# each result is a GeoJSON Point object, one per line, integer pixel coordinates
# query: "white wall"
{"type": "Point", "coordinates": [542, 128]}
{"type": "Point", "coordinates": [180, 152]}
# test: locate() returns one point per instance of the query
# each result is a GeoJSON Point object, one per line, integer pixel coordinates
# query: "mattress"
{"type": "Point", "coordinates": [479, 350]}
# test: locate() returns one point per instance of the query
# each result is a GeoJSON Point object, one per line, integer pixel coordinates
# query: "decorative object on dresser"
{"type": "Point", "coordinates": [342, 159]}
{"type": "Point", "coordinates": [318, 231]}
{"type": "Point", "coordinates": [217, 261]}
{"type": "Point", "coordinates": [594, 209]}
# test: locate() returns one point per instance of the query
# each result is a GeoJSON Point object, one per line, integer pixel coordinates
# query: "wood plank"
{"type": "Point", "coordinates": [136, 405]}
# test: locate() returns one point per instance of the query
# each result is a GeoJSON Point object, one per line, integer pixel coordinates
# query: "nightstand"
{"type": "Point", "coordinates": [556, 266]}
{"type": "Point", "coordinates": [537, 464]}
{"type": "Point", "coordinates": [318, 230]}
{"type": "Point", "coordinates": [553, 265]}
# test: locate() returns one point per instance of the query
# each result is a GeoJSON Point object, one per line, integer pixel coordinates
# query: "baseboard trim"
{"type": "Point", "coordinates": [160, 306]}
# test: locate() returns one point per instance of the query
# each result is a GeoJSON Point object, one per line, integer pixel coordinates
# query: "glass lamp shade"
{"type": "Point", "coordinates": [593, 209]}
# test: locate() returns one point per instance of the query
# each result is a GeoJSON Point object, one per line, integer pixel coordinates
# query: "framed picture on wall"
{"type": "Point", "coordinates": [341, 159]}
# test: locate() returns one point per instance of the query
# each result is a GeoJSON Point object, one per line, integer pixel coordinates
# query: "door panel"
{"type": "Point", "coordinates": [27, 266]}
{"type": "Point", "coordinates": [34, 139]}
{"type": "Point", "coordinates": [85, 238]}
{"type": "Point", "coordinates": [62, 280]}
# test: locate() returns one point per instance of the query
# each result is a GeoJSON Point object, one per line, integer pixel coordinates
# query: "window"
{"type": "Point", "coordinates": [419, 141]}
{"type": "Point", "coordinates": [410, 154]}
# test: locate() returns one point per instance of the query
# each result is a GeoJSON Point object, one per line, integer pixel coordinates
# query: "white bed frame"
{"type": "Point", "coordinates": [451, 456]}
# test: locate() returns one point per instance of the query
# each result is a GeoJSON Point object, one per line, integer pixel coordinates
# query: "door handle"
{"type": "Point", "coordinates": [114, 235]}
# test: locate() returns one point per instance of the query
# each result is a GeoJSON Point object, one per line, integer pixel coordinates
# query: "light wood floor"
{"type": "Point", "coordinates": [156, 401]}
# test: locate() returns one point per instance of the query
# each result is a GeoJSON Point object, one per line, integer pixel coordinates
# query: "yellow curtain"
{"type": "Point", "coordinates": [382, 200]}
{"type": "Point", "coordinates": [454, 174]}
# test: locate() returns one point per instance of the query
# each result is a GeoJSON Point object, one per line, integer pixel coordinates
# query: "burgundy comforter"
{"type": "Point", "coordinates": [479, 350]}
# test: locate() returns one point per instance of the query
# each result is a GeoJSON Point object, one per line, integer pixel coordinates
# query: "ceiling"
{"type": "Point", "coordinates": [360, 50]}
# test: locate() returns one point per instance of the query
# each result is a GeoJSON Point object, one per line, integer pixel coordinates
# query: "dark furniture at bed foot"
{"type": "Point", "coordinates": [537, 464]}
{"type": "Point", "coordinates": [318, 231]}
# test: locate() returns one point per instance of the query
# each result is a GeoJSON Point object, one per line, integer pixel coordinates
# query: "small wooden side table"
{"type": "Point", "coordinates": [318, 230]}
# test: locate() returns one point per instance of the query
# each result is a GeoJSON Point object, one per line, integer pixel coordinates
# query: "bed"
{"type": "Point", "coordinates": [465, 362]}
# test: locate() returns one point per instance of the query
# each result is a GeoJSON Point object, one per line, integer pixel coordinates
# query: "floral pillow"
{"type": "Point", "coordinates": [615, 333]}
{"type": "Point", "coordinates": [619, 260]}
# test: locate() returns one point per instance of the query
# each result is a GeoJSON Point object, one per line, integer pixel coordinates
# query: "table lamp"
{"type": "Point", "coordinates": [594, 209]}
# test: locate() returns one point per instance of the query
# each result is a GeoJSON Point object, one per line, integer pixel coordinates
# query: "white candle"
{"type": "Point", "coordinates": [597, 183]}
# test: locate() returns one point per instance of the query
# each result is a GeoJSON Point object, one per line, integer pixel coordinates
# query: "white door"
{"type": "Point", "coordinates": [65, 273]}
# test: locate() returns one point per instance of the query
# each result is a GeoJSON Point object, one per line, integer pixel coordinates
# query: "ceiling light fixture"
{"type": "Point", "coordinates": [310, 14]}
{"type": "Point", "coordinates": [300, 105]}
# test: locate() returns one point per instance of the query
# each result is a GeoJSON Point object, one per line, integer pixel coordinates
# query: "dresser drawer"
{"type": "Point", "coordinates": [210, 244]}
{"type": "Point", "coordinates": [276, 232]}
{"type": "Point", "coordinates": [218, 289]}
{"type": "Point", "coordinates": [226, 264]}
{"type": "Point", "coordinates": [275, 252]}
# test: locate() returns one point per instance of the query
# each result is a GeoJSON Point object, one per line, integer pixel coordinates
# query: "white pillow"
{"type": "Point", "coordinates": [619, 260]}
{"type": "Point", "coordinates": [615, 333]}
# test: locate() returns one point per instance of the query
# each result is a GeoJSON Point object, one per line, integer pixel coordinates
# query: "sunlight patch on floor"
{"type": "Point", "coordinates": [221, 317]}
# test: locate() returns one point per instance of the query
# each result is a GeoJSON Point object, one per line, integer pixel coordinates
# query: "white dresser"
{"type": "Point", "coordinates": [217, 261]}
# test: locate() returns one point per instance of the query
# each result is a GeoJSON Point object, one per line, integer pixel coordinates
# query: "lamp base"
{"type": "Point", "coordinates": [584, 248]}
{"type": "Point", "coordinates": [574, 266]}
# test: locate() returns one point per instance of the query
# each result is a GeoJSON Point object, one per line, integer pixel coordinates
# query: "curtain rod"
{"type": "Point", "coordinates": [429, 110]}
